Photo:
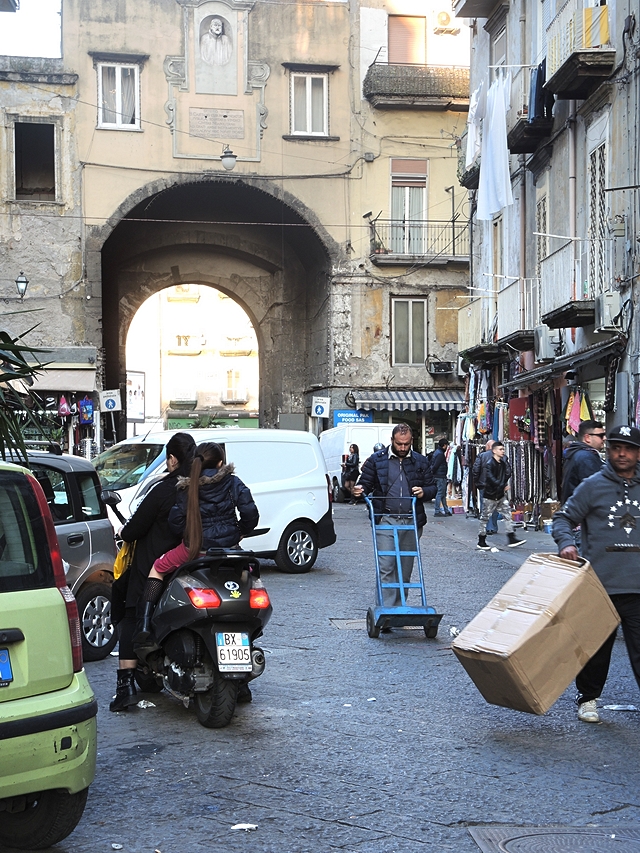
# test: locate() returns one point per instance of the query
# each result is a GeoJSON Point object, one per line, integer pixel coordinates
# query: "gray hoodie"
{"type": "Point", "coordinates": [607, 508]}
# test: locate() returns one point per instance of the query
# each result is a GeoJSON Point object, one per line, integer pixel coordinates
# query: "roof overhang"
{"type": "Point", "coordinates": [409, 401]}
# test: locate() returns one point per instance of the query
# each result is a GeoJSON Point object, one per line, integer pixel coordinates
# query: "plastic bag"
{"type": "Point", "coordinates": [64, 409]}
{"type": "Point", "coordinates": [123, 559]}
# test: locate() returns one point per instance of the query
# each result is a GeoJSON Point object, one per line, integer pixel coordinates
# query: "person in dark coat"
{"type": "Point", "coordinates": [478, 471]}
{"type": "Point", "coordinates": [496, 484]}
{"type": "Point", "coordinates": [582, 457]}
{"type": "Point", "coordinates": [149, 529]}
{"type": "Point", "coordinates": [351, 469]}
{"type": "Point", "coordinates": [398, 474]}
{"type": "Point", "coordinates": [439, 468]}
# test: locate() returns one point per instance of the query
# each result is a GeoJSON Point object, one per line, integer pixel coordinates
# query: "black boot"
{"type": "Point", "coordinates": [143, 625]}
{"type": "Point", "coordinates": [482, 543]}
{"type": "Point", "coordinates": [513, 541]}
{"type": "Point", "coordinates": [126, 693]}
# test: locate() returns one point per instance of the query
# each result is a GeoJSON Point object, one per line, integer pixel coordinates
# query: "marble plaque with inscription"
{"type": "Point", "coordinates": [216, 124]}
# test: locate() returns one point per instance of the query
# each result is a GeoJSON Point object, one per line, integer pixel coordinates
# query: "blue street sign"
{"type": "Point", "coordinates": [110, 403]}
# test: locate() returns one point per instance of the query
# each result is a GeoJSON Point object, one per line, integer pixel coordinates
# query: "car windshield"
{"type": "Point", "coordinates": [123, 466]}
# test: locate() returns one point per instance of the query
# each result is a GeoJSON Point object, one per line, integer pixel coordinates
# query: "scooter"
{"type": "Point", "coordinates": [204, 628]}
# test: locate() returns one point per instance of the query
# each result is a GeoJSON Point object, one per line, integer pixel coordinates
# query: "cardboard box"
{"type": "Point", "coordinates": [529, 643]}
{"type": "Point", "coordinates": [548, 508]}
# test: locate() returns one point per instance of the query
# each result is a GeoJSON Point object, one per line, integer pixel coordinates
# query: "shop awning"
{"type": "Point", "coordinates": [58, 379]}
{"type": "Point", "coordinates": [612, 347]}
{"type": "Point", "coordinates": [411, 401]}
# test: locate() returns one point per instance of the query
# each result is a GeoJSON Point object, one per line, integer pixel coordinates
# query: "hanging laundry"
{"type": "Point", "coordinates": [477, 107]}
{"type": "Point", "coordinates": [494, 189]}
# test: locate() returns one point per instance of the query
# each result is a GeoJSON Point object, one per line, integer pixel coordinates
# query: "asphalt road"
{"type": "Point", "coordinates": [353, 744]}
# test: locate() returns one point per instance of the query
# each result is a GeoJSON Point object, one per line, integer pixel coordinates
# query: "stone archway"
{"type": "Point", "coordinates": [252, 242]}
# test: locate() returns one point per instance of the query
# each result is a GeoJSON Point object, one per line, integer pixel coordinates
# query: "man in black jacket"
{"type": "Point", "coordinates": [439, 470]}
{"type": "Point", "coordinates": [496, 484]}
{"type": "Point", "coordinates": [582, 457]}
{"type": "Point", "coordinates": [479, 471]}
{"type": "Point", "coordinates": [397, 473]}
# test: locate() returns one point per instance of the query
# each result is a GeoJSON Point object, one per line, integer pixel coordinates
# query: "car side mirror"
{"type": "Point", "coordinates": [111, 498]}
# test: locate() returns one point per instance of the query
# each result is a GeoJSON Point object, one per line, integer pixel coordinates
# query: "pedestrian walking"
{"type": "Point", "coordinates": [479, 472]}
{"type": "Point", "coordinates": [582, 457]}
{"type": "Point", "coordinates": [351, 470]}
{"type": "Point", "coordinates": [496, 486]}
{"type": "Point", "coordinates": [439, 470]}
{"type": "Point", "coordinates": [607, 508]}
{"type": "Point", "coordinates": [398, 474]}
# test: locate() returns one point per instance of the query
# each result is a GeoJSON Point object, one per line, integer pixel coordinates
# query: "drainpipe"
{"type": "Point", "coordinates": [523, 240]}
{"type": "Point", "coordinates": [572, 186]}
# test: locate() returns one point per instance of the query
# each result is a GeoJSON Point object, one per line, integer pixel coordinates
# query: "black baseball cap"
{"type": "Point", "coordinates": [626, 435]}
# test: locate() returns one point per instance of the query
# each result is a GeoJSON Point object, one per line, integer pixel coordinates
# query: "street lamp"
{"type": "Point", "coordinates": [228, 158]}
{"type": "Point", "coordinates": [21, 284]}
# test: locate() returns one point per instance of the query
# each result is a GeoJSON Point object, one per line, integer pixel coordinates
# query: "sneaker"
{"type": "Point", "coordinates": [588, 712]}
{"type": "Point", "coordinates": [439, 514]}
{"type": "Point", "coordinates": [491, 532]}
{"type": "Point", "coordinates": [482, 544]}
{"type": "Point", "coordinates": [513, 541]}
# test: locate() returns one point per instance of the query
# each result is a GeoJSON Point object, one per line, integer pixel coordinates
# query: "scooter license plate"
{"type": "Point", "coordinates": [6, 673]}
{"type": "Point", "coordinates": [234, 652]}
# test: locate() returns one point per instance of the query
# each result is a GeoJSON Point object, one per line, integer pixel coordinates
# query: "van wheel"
{"type": "Point", "coordinates": [338, 494]}
{"type": "Point", "coordinates": [47, 817]}
{"type": "Point", "coordinates": [298, 549]}
{"type": "Point", "coordinates": [94, 607]}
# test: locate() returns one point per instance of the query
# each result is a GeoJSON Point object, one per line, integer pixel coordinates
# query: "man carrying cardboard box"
{"type": "Point", "coordinates": [607, 508]}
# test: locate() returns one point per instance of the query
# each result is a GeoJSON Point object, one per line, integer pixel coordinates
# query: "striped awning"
{"type": "Point", "coordinates": [409, 401]}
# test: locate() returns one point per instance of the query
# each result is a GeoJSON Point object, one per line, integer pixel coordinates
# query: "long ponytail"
{"type": "Point", "coordinates": [208, 455]}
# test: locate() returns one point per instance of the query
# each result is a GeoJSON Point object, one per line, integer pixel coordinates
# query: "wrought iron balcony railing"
{"type": "Point", "coordinates": [428, 240]}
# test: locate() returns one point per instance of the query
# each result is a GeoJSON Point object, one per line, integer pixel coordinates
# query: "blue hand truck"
{"type": "Point", "coordinates": [381, 616]}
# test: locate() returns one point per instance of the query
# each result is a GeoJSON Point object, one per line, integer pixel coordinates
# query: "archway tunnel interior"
{"type": "Point", "coordinates": [245, 243]}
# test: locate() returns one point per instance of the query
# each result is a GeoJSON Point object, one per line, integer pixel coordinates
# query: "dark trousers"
{"type": "Point", "coordinates": [590, 680]}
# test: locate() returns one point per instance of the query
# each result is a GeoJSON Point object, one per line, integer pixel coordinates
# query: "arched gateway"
{"type": "Point", "coordinates": [244, 236]}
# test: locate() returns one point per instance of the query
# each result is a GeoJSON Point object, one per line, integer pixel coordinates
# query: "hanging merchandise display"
{"type": "Point", "coordinates": [85, 407]}
{"type": "Point", "coordinates": [64, 409]}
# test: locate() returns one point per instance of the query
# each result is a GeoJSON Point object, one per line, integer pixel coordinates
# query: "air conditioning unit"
{"type": "Point", "coordinates": [463, 367]}
{"type": "Point", "coordinates": [545, 343]}
{"type": "Point", "coordinates": [608, 312]}
{"type": "Point", "coordinates": [441, 367]}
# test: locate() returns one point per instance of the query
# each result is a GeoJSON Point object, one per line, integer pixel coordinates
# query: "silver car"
{"type": "Point", "coordinates": [86, 538]}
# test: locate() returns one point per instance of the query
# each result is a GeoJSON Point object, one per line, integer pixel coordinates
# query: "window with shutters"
{"type": "Point", "coordinates": [118, 96]}
{"type": "Point", "coordinates": [407, 40]}
{"type": "Point", "coordinates": [498, 50]}
{"type": "Point", "coordinates": [408, 206]}
{"type": "Point", "coordinates": [409, 325]}
{"type": "Point", "coordinates": [309, 104]}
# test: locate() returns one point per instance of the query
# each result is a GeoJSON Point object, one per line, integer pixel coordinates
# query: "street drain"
{"type": "Point", "coordinates": [541, 839]}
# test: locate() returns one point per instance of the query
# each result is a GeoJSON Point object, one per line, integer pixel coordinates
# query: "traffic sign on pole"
{"type": "Point", "coordinates": [110, 401]}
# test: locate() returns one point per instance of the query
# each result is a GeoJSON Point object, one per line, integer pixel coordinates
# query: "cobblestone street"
{"type": "Point", "coordinates": [355, 744]}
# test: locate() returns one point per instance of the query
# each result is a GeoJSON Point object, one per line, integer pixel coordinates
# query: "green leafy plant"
{"type": "Point", "coordinates": [16, 377]}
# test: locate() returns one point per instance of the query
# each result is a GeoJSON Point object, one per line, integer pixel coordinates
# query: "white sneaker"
{"type": "Point", "coordinates": [588, 712]}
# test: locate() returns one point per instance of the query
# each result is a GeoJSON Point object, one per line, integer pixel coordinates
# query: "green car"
{"type": "Point", "coordinates": [47, 708]}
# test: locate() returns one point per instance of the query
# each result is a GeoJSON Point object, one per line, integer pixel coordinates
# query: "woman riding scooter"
{"type": "Point", "coordinates": [149, 529]}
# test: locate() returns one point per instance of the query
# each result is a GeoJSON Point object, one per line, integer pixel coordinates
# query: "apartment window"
{"type": "Point", "coordinates": [407, 40]}
{"type": "Point", "coordinates": [118, 96]}
{"type": "Point", "coordinates": [597, 223]}
{"type": "Point", "coordinates": [408, 206]}
{"type": "Point", "coordinates": [310, 104]}
{"type": "Point", "coordinates": [35, 161]}
{"type": "Point", "coordinates": [497, 253]}
{"type": "Point", "coordinates": [409, 324]}
{"type": "Point", "coordinates": [498, 50]}
{"type": "Point", "coordinates": [542, 251]}
{"type": "Point", "coordinates": [235, 392]}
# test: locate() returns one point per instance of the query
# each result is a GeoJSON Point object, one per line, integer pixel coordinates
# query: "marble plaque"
{"type": "Point", "coordinates": [216, 124]}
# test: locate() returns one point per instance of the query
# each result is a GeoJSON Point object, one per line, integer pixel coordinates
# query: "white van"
{"type": "Point", "coordinates": [284, 469]}
{"type": "Point", "coordinates": [335, 443]}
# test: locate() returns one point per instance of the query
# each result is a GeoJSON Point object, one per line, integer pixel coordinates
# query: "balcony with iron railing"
{"type": "Point", "coordinates": [477, 327]}
{"type": "Point", "coordinates": [569, 282]}
{"type": "Point", "coordinates": [428, 242]}
{"type": "Point", "coordinates": [421, 87]}
{"type": "Point", "coordinates": [525, 127]}
{"type": "Point", "coordinates": [518, 314]}
{"type": "Point", "coordinates": [579, 51]}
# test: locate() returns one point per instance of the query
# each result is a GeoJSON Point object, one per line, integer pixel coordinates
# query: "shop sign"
{"type": "Point", "coordinates": [348, 416]}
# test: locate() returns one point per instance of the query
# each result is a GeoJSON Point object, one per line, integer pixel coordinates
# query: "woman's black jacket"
{"type": "Point", "coordinates": [149, 528]}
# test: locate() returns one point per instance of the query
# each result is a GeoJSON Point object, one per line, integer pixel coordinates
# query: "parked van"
{"type": "Point", "coordinates": [335, 443]}
{"type": "Point", "coordinates": [284, 469]}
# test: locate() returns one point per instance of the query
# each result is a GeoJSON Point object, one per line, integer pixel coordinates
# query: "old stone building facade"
{"type": "Point", "coordinates": [340, 229]}
{"type": "Point", "coordinates": [551, 319]}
